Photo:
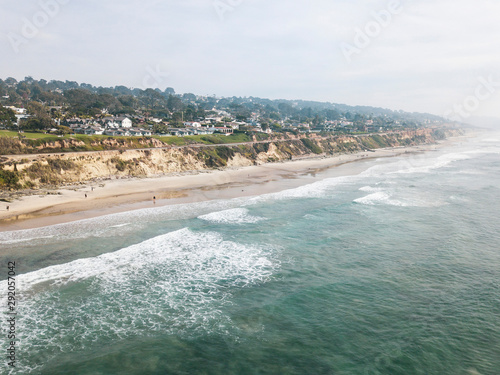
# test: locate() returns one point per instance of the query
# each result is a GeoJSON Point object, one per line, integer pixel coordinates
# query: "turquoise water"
{"type": "Point", "coordinates": [395, 270]}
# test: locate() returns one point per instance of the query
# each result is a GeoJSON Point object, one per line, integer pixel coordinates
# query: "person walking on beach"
{"type": "Point", "coordinates": [154, 199]}
{"type": "Point", "coordinates": [8, 208]}
{"type": "Point", "coordinates": [85, 195]}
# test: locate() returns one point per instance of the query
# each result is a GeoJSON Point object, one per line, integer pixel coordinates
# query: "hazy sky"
{"type": "Point", "coordinates": [419, 55]}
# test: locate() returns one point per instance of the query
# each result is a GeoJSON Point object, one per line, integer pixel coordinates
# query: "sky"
{"type": "Point", "coordinates": [439, 56]}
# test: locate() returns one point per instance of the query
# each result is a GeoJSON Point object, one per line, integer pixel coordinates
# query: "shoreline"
{"type": "Point", "coordinates": [100, 198]}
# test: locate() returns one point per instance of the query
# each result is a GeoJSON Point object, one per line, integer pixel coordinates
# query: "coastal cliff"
{"type": "Point", "coordinates": [31, 172]}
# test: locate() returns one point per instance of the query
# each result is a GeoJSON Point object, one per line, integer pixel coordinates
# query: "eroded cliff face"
{"type": "Point", "coordinates": [68, 168]}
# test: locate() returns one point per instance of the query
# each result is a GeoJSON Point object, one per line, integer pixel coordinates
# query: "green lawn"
{"type": "Point", "coordinates": [8, 133]}
{"type": "Point", "coordinates": [178, 141]}
{"type": "Point", "coordinates": [205, 139]}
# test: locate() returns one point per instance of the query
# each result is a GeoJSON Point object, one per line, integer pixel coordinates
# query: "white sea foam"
{"type": "Point", "coordinates": [369, 189]}
{"type": "Point", "coordinates": [315, 190]}
{"type": "Point", "coordinates": [485, 150]}
{"type": "Point", "coordinates": [374, 198]}
{"type": "Point", "coordinates": [25, 239]}
{"type": "Point", "coordinates": [119, 225]}
{"type": "Point", "coordinates": [232, 216]}
{"type": "Point", "coordinates": [114, 224]}
{"type": "Point", "coordinates": [122, 263]}
{"type": "Point", "coordinates": [310, 217]}
{"type": "Point", "coordinates": [414, 165]}
{"type": "Point", "coordinates": [177, 282]}
{"type": "Point", "coordinates": [386, 198]}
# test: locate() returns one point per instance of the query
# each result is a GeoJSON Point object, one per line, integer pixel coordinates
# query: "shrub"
{"type": "Point", "coordinates": [63, 164]}
{"type": "Point", "coordinates": [120, 164]}
{"type": "Point", "coordinates": [43, 172]}
{"type": "Point", "coordinates": [312, 146]}
{"type": "Point", "coordinates": [9, 179]}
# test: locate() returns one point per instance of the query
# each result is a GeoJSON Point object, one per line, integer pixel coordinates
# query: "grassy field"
{"type": "Point", "coordinates": [11, 134]}
{"type": "Point", "coordinates": [205, 139]}
{"type": "Point", "coordinates": [40, 138]}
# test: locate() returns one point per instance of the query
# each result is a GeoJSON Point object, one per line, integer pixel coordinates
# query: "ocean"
{"type": "Point", "coordinates": [394, 269]}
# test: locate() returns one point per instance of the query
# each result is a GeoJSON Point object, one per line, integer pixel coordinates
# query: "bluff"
{"type": "Point", "coordinates": [53, 170]}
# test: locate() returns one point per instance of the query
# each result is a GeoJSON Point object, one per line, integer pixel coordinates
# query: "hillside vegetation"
{"type": "Point", "coordinates": [56, 169]}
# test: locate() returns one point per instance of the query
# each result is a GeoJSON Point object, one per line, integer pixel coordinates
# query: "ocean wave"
{"type": "Point", "coordinates": [369, 189]}
{"type": "Point", "coordinates": [386, 198]}
{"type": "Point", "coordinates": [374, 198]}
{"type": "Point", "coordinates": [315, 190]}
{"type": "Point", "coordinates": [414, 165]}
{"type": "Point", "coordinates": [119, 265]}
{"type": "Point", "coordinates": [114, 224]}
{"type": "Point", "coordinates": [485, 150]}
{"type": "Point", "coordinates": [231, 216]}
{"type": "Point", "coordinates": [177, 282]}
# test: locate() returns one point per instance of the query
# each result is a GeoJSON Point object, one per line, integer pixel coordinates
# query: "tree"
{"type": "Point", "coordinates": [152, 97]}
{"type": "Point", "coordinates": [189, 97]}
{"type": "Point", "coordinates": [128, 101]}
{"type": "Point", "coordinates": [286, 110]}
{"type": "Point", "coordinates": [11, 81]}
{"type": "Point", "coordinates": [317, 121]}
{"type": "Point", "coordinates": [81, 101]}
{"type": "Point", "coordinates": [7, 117]}
{"type": "Point", "coordinates": [36, 124]}
{"type": "Point", "coordinates": [174, 103]}
{"type": "Point", "coordinates": [160, 129]}
{"type": "Point", "coordinates": [169, 91]}
{"type": "Point", "coordinates": [122, 90]}
{"type": "Point", "coordinates": [37, 109]}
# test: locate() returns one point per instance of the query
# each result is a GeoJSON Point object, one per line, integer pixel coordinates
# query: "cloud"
{"type": "Point", "coordinates": [429, 55]}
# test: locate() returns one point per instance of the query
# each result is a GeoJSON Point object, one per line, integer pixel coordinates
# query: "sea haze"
{"type": "Point", "coordinates": [394, 270]}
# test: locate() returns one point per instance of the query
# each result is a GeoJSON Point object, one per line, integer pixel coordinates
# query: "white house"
{"type": "Point", "coordinates": [124, 122]}
{"type": "Point", "coordinates": [117, 132]}
{"type": "Point", "coordinates": [192, 124]}
{"type": "Point", "coordinates": [118, 122]}
{"type": "Point", "coordinates": [93, 131]}
{"type": "Point", "coordinates": [233, 125]}
{"type": "Point", "coordinates": [204, 131]}
{"type": "Point", "coordinates": [139, 132]}
{"type": "Point", "coordinates": [224, 130]}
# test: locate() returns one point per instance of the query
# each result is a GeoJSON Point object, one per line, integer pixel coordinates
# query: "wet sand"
{"type": "Point", "coordinates": [119, 195]}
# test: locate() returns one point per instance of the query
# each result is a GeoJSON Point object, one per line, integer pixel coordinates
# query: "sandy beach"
{"type": "Point", "coordinates": [117, 195]}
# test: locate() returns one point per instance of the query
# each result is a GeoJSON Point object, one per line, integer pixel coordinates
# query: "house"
{"type": "Point", "coordinates": [124, 122]}
{"type": "Point", "coordinates": [139, 132]}
{"type": "Point", "coordinates": [346, 123]}
{"type": "Point", "coordinates": [175, 132]}
{"type": "Point", "coordinates": [135, 132]}
{"type": "Point", "coordinates": [233, 125]}
{"type": "Point", "coordinates": [193, 124]}
{"type": "Point", "coordinates": [117, 132]}
{"type": "Point", "coordinates": [213, 119]}
{"type": "Point", "coordinates": [224, 130]}
{"type": "Point", "coordinates": [17, 111]}
{"type": "Point", "coordinates": [21, 117]}
{"type": "Point", "coordinates": [93, 130]}
{"type": "Point", "coordinates": [203, 131]}
{"type": "Point", "coordinates": [117, 122]}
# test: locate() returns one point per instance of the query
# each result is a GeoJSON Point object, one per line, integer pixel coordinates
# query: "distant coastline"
{"type": "Point", "coordinates": [271, 171]}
